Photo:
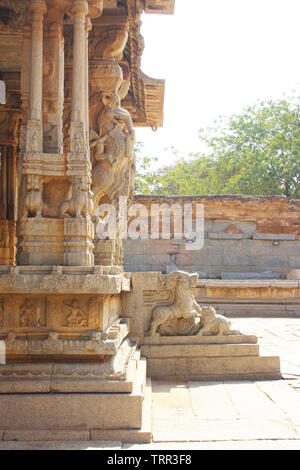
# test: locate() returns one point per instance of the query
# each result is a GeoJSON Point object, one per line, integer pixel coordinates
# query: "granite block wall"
{"type": "Point", "coordinates": [244, 238]}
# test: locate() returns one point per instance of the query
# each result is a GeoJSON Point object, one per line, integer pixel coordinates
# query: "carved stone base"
{"type": "Point", "coordinates": [42, 241]}
{"type": "Point", "coordinates": [232, 357]}
{"type": "Point", "coordinates": [114, 408]}
{"type": "Point", "coordinates": [137, 435]}
{"type": "Point", "coordinates": [55, 242]}
{"type": "Point", "coordinates": [104, 252]}
{"type": "Point", "coordinates": [78, 246]}
{"type": "Point", "coordinates": [115, 373]}
{"type": "Point", "coordinates": [54, 313]}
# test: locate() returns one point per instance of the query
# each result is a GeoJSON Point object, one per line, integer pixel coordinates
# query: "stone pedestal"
{"type": "Point", "coordinates": [42, 241]}
{"type": "Point", "coordinates": [78, 245]}
{"type": "Point", "coordinates": [61, 398]}
{"type": "Point", "coordinates": [70, 364]}
{"type": "Point", "coordinates": [232, 357]}
{"type": "Point", "coordinates": [104, 251]}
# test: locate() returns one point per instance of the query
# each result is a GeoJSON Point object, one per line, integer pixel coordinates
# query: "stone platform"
{"type": "Point", "coordinates": [208, 358]}
{"type": "Point", "coordinates": [48, 400]}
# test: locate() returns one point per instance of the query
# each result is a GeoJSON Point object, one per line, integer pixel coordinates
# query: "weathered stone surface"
{"type": "Point", "coordinates": [44, 435]}
{"type": "Point", "coordinates": [244, 241]}
{"type": "Point", "coordinates": [66, 411]}
{"type": "Point", "coordinates": [250, 275]}
{"type": "Point", "coordinates": [193, 350]}
{"type": "Point", "coordinates": [274, 236]}
{"type": "Point", "coordinates": [116, 374]}
{"type": "Point", "coordinates": [220, 368]}
{"type": "Point", "coordinates": [294, 274]}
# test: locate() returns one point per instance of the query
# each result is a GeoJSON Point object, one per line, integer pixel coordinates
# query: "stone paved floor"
{"type": "Point", "coordinates": [231, 415]}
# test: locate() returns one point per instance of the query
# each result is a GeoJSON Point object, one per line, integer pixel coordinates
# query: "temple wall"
{"type": "Point", "coordinates": [245, 237]}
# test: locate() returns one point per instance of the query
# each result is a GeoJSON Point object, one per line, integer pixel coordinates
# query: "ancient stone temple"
{"type": "Point", "coordinates": [72, 321]}
{"type": "Point", "coordinates": [67, 144]}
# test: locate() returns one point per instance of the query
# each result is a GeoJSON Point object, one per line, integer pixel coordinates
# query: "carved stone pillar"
{"type": "Point", "coordinates": [34, 140]}
{"type": "Point", "coordinates": [79, 231]}
{"type": "Point", "coordinates": [25, 87]}
{"type": "Point", "coordinates": [53, 83]}
{"type": "Point", "coordinates": [12, 180]}
{"type": "Point", "coordinates": [3, 202]}
{"type": "Point", "coordinates": [79, 159]}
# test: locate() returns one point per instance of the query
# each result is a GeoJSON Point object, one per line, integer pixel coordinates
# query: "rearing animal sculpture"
{"type": "Point", "coordinates": [184, 305]}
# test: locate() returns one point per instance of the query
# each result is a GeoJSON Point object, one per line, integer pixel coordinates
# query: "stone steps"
{"type": "Point", "coordinates": [167, 359]}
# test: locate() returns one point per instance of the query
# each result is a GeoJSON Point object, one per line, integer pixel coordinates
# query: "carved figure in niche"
{"type": "Point", "coordinates": [33, 136]}
{"type": "Point", "coordinates": [212, 323]}
{"type": "Point", "coordinates": [76, 317]}
{"type": "Point", "coordinates": [33, 203]}
{"type": "Point", "coordinates": [80, 202]}
{"type": "Point", "coordinates": [29, 315]}
{"type": "Point", "coordinates": [114, 159]}
{"type": "Point", "coordinates": [5, 240]}
{"type": "Point", "coordinates": [184, 305]}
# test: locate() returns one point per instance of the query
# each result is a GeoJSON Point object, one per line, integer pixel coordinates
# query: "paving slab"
{"type": "Point", "coordinates": [61, 445]}
{"type": "Point", "coordinates": [274, 444]}
{"type": "Point", "coordinates": [210, 400]}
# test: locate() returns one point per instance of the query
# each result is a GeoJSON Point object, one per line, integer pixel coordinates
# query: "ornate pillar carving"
{"type": "Point", "coordinates": [53, 82]}
{"type": "Point", "coordinates": [34, 141]}
{"type": "Point", "coordinates": [3, 203]}
{"type": "Point", "coordinates": [12, 192]}
{"type": "Point", "coordinates": [78, 227]}
{"type": "Point", "coordinates": [79, 156]}
{"type": "Point", "coordinates": [112, 136]}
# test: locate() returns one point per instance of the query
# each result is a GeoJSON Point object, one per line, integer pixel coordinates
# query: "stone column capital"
{"type": "Point", "coordinates": [80, 6]}
{"type": "Point", "coordinates": [38, 6]}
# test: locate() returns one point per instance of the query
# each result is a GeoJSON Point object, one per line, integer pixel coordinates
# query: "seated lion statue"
{"type": "Point", "coordinates": [212, 323]}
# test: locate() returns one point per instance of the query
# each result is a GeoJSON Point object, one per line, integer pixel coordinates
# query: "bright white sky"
{"type": "Point", "coordinates": [217, 56]}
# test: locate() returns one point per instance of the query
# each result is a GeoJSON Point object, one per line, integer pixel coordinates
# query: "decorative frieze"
{"type": "Point", "coordinates": [106, 343]}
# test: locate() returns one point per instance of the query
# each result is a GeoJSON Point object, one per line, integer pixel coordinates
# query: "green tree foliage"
{"type": "Point", "coordinates": [254, 153]}
{"type": "Point", "coordinates": [145, 178]}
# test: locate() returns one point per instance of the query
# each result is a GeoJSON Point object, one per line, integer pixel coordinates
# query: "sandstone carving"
{"type": "Point", "coordinates": [212, 323]}
{"type": "Point", "coordinates": [29, 315]}
{"type": "Point", "coordinates": [76, 317]}
{"type": "Point", "coordinates": [184, 305]}
{"type": "Point", "coordinates": [80, 203]}
{"type": "Point", "coordinates": [184, 316]}
{"type": "Point", "coordinates": [33, 201]}
{"type": "Point", "coordinates": [114, 166]}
